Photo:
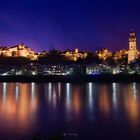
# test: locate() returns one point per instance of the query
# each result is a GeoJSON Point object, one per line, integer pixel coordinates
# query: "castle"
{"type": "Point", "coordinates": [18, 51]}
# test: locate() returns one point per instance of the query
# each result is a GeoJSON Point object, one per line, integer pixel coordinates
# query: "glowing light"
{"type": "Point", "coordinates": [104, 102]}
{"type": "Point", "coordinates": [77, 101]}
{"type": "Point", "coordinates": [132, 52]}
{"type": "Point", "coordinates": [68, 101]}
{"type": "Point", "coordinates": [17, 51]}
{"type": "Point", "coordinates": [33, 73]}
{"type": "Point", "coordinates": [132, 105]}
{"type": "Point", "coordinates": [68, 95]}
{"type": "Point", "coordinates": [114, 94]}
{"type": "Point", "coordinates": [4, 91]}
{"type": "Point", "coordinates": [49, 91]}
{"type": "Point", "coordinates": [32, 90]}
{"type": "Point", "coordinates": [135, 90]}
{"type": "Point", "coordinates": [54, 98]}
{"type": "Point", "coordinates": [90, 88]}
{"type": "Point", "coordinates": [76, 50]}
{"type": "Point", "coordinates": [17, 92]}
{"type": "Point", "coordinates": [59, 90]}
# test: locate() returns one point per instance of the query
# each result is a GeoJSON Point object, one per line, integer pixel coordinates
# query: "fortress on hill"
{"type": "Point", "coordinates": [18, 51]}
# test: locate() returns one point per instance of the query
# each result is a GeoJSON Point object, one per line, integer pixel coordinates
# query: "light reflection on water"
{"type": "Point", "coordinates": [23, 106]}
{"type": "Point", "coordinates": [104, 100]}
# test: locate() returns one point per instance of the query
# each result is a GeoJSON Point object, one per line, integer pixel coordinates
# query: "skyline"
{"type": "Point", "coordinates": [73, 49]}
{"type": "Point", "coordinates": [87, 25]}
{"type": "Point", "coordinates": [22, 46]}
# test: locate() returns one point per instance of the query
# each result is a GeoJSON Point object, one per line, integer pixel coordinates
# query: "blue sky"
{"type": "Point", "coordinates": [69, 24]}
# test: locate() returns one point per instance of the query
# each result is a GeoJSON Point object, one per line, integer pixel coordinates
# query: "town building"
{"type": "Point", "coordinates": [120, 54]}
{"type": "Point", "coordinates": [74, 55]}
{"type": "Point", "coordinates": [104, 54]}
{"type": "Point", "coordinates": [98, 69]}
{"type": "Point", "coordinates": [58, 70]}
{"type": "Point", "coordinates": [132, 52]}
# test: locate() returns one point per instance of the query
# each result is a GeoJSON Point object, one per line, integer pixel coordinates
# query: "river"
{"type": "Point", "coordinates": [76, 111]}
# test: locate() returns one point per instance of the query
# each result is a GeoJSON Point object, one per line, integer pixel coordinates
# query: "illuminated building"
{"type": "Point", "coordinates": [120, 54]}
{"type": "Point", "coordinates": [74, 55]}
{"type": "Point", "coordinates": [57, 70]}
{"type": "Point", "coordinates": [98, 69]}
{"type": "Point", "coordinates": [18, 51]}
{"type": "Point", "coordinates": [132, 52]}
{"type": "Point", "coordinates": [93, 69]}
{"type": "Point", "coordinates": [104, 54]}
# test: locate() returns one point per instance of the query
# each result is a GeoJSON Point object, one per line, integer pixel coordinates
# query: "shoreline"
{"type": "Point", "coordinates": [108, 78]}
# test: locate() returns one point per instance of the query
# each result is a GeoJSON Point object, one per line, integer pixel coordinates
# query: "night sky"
{"type": "Point", "coordinates": [69, 24]}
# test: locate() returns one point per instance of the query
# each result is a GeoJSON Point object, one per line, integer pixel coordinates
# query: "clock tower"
{"type": "Point", "coordinates": [132, 52]}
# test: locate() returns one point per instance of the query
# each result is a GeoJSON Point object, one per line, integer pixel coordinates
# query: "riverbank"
{"type": "Point", "coordinates": [73, 78]}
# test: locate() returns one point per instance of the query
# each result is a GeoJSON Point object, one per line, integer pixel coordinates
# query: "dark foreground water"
{"type": "Point", "coordinates": [81, 111]}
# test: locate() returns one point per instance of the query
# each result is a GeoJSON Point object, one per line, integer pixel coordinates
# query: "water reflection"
{"type": "Point", "coordinates": [134, 90]}
{"type": "Point", "coordinates": [115, 93]}
{"type": "Point", "coordinates": [53, 94]}
{"type": "Point", "coordinates": [90, 95]}
{"type": "Point", "coordinates": [68, 97]}
{"type": "Point", "coordinates": [132, 103]}
{"type": "Point", "coordinates": [73, 101]}
{"type": "Point", "coordinates": [77, 101]}
{"type": "Point", "coordinates": [50, 92]}
{"type": "Point", "coordinates": [32, 91]}
{"type": "Point", "coordinates": [17, 92]}
{"type": "Point", "coordinates": [59, 90]}
{"type": "Point", "coordinates": [33, 99]}
{"type": "Point", "coordinates": [104, 100]}
{"type": "Point", "coordinates": [16, 104]}
{"type": "Point", "coordinates": [4, 91]}
{"type": "Point", "coordinates": [22, 103]}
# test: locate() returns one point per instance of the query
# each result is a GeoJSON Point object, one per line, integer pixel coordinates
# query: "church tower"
{"type": "Point", "coordinates": [132, 52]}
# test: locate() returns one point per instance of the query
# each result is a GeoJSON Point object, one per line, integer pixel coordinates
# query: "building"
{"type": "Point", "coordinates": [98, 69]}
{"type": "Point", "coordinates": [57, 70]}
{"type": "Point", "coordinates": [132, 52]}
{"type": "Point", "coordinates": [74, 55]}
{"type": "Point", "coordinates": [120, 54]}
{"type": "Point", "coordinates": [104, 54]}
{"type": "Point", "coordinates": [93, 69]}
{"type": "Point", "coordinates": [18, 51]}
